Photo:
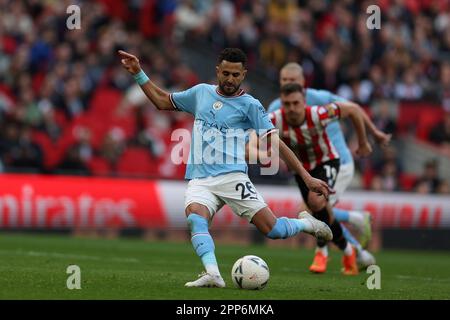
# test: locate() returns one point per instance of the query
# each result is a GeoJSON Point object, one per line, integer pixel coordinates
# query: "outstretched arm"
{"type": "Point", "coordinates": [291, 160]}
{"type": "Point", "coordinates": [159, 97]}
{"type": "Point", "coordinates": [381, 138]}
{"type": "Point", "coordinates": [352, 110]}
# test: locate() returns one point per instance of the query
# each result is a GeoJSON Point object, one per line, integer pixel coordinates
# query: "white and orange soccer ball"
{"type": "Point", "coordinates": [250, 272]}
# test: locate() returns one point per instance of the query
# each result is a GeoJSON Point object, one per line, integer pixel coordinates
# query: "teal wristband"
{"type": "Point", "coordinates": [141, 77]}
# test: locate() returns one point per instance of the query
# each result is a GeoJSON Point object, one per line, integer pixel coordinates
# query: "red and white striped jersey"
{"type": "Point", "coordinates": [309, 141]}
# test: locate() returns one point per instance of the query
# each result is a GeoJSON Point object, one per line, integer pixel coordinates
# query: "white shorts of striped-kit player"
{"type": "Point", "coordinates": [343, 180]}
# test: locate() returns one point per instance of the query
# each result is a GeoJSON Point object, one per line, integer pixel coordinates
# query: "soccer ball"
{"type": "Point", "coordinates": [250, 272]}
{"type": "Point", "coordinates": [365, 259]}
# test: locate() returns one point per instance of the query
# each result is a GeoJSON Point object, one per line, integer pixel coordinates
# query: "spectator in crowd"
{"type": "Point", "coordinates": [384, 117]}
{"type": "Point", "coordinates": [387, 179]}
{"type": "Point", "coordinates": [386, 171]}
{"type": "Point", "coordinates": [440, 134]}
{"type": "Point", "coordinates": [443, 188]}
{"type": "Point", "coordinates": [357, 90]}
{"type": "Point", "coordinates": [50, 125]}
{"type": "Point", "coordinates": [189, 19]}
{"type": "Point", "coordinates": [73, 163]}
{"type": "Point", "coordinates": [409, 88]}
{"type": "Point", "coordinates": [389, 155]}
{"type": "Point", "coordinates": [444, 85]}
{"type": "Point", "coordinates": [28, 154]}
{"type": "Point", "coordinates": [429, 181]}
{"type": "Point", "coordinates": [79, 153]}
{"type": "Point", "coordinates": [10, 137]}
{"type": "Point", "coordinates": [113, 146]}
{"type": "Point", "coordinates": [19, 151]}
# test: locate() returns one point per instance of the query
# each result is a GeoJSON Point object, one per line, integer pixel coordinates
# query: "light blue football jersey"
{"type": "Point", "coordinates": [319, 98]}
{"type": "Point", "coordinates": [220, 130]}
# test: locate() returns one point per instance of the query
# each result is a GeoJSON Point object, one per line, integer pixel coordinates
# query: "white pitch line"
{"type": "Point", "coordinates": [404, 277]}
{"type": "Point", "coordinates": [65, 256]}
{"type": "Point", "coordinates": [399, 276]}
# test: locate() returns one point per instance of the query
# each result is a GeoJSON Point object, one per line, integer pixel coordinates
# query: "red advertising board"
{"type": "Point", "coordinates": [34, 201]}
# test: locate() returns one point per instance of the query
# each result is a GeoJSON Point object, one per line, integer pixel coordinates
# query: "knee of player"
{"type": "Point", "coordinates": [196, 208]}
{"type": "Point", "coordinates": [316, 203]}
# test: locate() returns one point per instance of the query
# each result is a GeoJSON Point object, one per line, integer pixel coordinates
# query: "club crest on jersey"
{"type": "Point", "coordinates": [217, 105]}
{"type": "Point", "coordinates": [331, 110]}
{"type": "Point", "coordinates": [328, 111]}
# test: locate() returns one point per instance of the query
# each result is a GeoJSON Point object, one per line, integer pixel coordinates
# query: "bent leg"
{"type": "Point", "coordinates": [282, 228]}
{"type": "Point", "coordinates": [277, 228]}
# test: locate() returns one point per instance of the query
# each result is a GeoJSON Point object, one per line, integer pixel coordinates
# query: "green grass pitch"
{"type": "Point", "coordinates": [34, 267]}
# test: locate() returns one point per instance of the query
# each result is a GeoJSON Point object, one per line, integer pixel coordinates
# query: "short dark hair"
{"type": "Point", "coordinates": [291, 88]}
{"type": "Point", "coordinates": [233, 55]}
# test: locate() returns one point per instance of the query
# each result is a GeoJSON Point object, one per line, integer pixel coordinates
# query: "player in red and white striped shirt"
{"type": "Point", "coordinates": [307, 136]}
{"type": "Point", "coordinates": [302, 128]}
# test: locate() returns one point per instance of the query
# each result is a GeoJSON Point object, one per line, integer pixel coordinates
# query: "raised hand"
{"type": "Point", "coordinates": [130, 62]}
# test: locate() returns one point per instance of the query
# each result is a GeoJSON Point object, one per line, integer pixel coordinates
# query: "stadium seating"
{"type": "Point", "coordinates": [99, 166]}
{"type": "Point", "coordinates": [137, 162]}
{"type": "Point", "coordinates": [157, 32]}
{"type": "Point", "coordinates": [429, 117]}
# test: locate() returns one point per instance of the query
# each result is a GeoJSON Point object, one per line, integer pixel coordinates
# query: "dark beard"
{"type": "Point", "coordinates": [222, 90]}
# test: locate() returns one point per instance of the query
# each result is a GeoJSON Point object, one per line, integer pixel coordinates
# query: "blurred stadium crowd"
{"type": "Point", "coordinates": [67, 106]}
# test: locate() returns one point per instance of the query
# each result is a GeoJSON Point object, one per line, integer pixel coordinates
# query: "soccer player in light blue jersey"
{"type": "Point", "coordinates": [217, 170]}
{"type": "Point", "coordinates": [293, 73]}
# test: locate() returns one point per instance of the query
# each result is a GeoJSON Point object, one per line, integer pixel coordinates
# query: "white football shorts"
{"type": "Point", "coordinates": [234, 189]}
{"type": "Point", "coordinates": [343, 180]}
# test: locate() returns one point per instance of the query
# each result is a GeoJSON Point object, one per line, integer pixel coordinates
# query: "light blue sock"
{"type": "Point", "coordinates": [349, 237]}
{"type": "Point", "coordinates": [285, 228]}
{"type": "Point", "coordinates": [341, 215]}
{"type": "Point", "coordinates": [202, 242]}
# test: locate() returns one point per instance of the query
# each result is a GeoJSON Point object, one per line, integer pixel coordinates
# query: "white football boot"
{"type": "Point", "coordinates": [207, 280]}
{"type": "Point", "coordinates": [320, 229]}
